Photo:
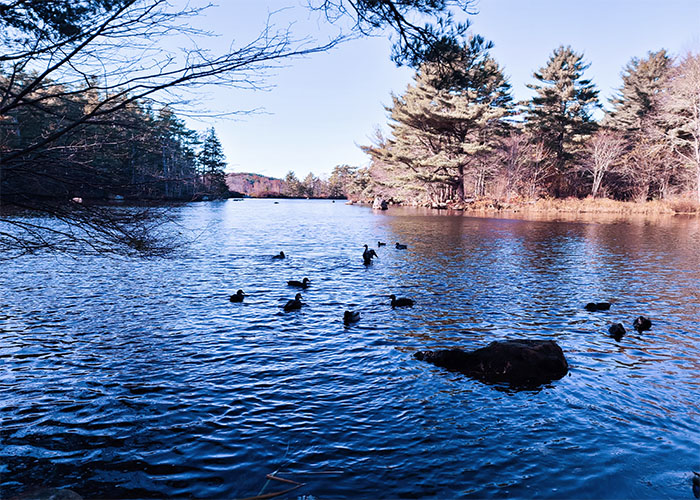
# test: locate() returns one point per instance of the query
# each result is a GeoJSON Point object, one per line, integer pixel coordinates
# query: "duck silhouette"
{"type": "Point", "coordinates": [293, 305]}
{"type": "Point", "coordinates": [400, 302]}
{"type": "Point", "coordinates": [351, 317]}
{"type": "Point", "coordinates": [368, 254]}
{"type": "Point", "coordinates": [642, 324]}
{"type": "Point", "coordinates": [237, 297]}
{"type": "Point", "coordinates": [279, 256]}
{"type": "Point", "coordinates": [299, 284]}
{"type": "Point", "coordinates": [597, 306]}
{"type": "Point", "coordinates": [617, 331]}
{"type": "Point", "coordinates": [399, 246]}
{"type": "Point", "coordinates": [381, 244]}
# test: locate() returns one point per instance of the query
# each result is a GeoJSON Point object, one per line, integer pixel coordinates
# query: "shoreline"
{"type": "Point", "coordinates": [567, 206]}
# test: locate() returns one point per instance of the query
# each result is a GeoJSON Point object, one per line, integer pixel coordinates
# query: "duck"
{"type": "Point", "coordinates": [597, 306]}
{"type": "Point", "coordinates": [381, 244]}
{"type": "Point", "coordinates": [237, 297]}
{"type": "Point", "coordinates": [368, 254]}
{"type": "Point", "coordinates": [279, 256]}
{"type": "Point", "coordinates": [642, 324]}
{"type": "Point", "coordinates": [351, 317]}
{"type": "Point", "coordinates": [399, 246]}
{"type": "Point", "coordinates": [617, 331]}
{"type": "Point", "coordinates": [293, 305]}
{"type": "Point", "coordinates": [299, 284]}
{"type": "Point", "coordinates": [401, 302]}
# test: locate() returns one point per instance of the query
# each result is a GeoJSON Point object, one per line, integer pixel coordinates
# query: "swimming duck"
{"type": "Point", "coordinates": [617, 331]}
{"type": "Point", "coordinates": [381, 244]}
{"type": "Point", "coordinates": [293, 305]}
{"type": "Point", "coordinates": [368, 254]}
{"type": "Point", "coordinates": [279, 256]}
{"type": "Point", "coordinates": [401, 302]}
{"type": "Point", "coordinates": [597, 306]}
{"type": "Point", "coordinates": [642, 324]}
{"type": "Point", "coordinates": [399, 246]}
{"type": "Point", "coordinates": [300, 284]}
{"type": "Point", "coordinates": [237, 297]}
{"type": "Point", "coordinates": [351, 317]}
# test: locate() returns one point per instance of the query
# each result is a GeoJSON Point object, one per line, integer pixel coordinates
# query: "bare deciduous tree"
{"type": "Point", "coordinates": [603, 150]}
{"type": "Point", "coordinates": [681, 110]}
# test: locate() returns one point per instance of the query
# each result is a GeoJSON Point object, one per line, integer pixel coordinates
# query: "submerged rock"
{"type": "Point", "coordinates": [517, 362]}
{"type": "Point", "coordinates": [642, 324]}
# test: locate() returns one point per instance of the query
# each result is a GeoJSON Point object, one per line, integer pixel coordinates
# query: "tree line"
{"type": "Point", "coordinates": [136, 152]}
{"type": "Point", "coordinates": [457, 134]}
{"type": "Point", "coordinates": [88, 91]}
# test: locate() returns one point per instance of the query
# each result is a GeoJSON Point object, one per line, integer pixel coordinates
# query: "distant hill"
{"type": "Point", "coordinates": [255, 185]}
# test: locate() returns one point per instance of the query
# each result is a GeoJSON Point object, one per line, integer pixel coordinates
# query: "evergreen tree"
{"type": "Point", "coordinates": [560, 112]}
{"type": "Point", "coordinates": [445, 124]}
{"type": "Point", "coordinates": [293, 186]}
{"type": "Point", "coordinates": [212, 162]}
{"type": "Point", "coordinates": [339, 181]}
{"type": "Point", "coordinates": [311, 186]}
{"type": "Point", "coordinates": [643, 81]}
{"type": "Point", "coordinates": [637, 114]}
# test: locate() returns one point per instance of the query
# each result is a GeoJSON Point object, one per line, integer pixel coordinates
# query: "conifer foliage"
{"type": "Point", "coordinates": [445, 124]}
{"type": "Point", "coordinates": [212, 163]}
{"type": "Point", "coordinates": [561, 110]}
{"type": "Point", "coordinates": [456, 136]}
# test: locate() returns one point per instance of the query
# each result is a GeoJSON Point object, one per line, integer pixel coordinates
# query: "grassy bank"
{"type": "Point", "coordinates": [582, 206]}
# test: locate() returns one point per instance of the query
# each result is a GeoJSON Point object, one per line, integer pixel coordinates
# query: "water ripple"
{"type": "Point", "coordinates": [140, 379]}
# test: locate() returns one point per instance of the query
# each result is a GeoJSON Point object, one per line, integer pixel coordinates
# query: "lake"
{"type": "Point", "coordinates": [138, 378]}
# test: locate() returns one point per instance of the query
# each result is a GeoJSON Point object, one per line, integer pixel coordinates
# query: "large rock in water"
{"type": "Point", "coordinates": [517, 362]}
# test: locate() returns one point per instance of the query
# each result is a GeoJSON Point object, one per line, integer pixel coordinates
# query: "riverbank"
{"type": "Point", "coordinates": [587, 206]}
{"type": "Point", "coordinates": [573, 206]}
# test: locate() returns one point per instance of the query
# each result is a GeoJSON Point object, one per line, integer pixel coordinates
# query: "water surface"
{"type": "Point", "coordinates": [138, 378]}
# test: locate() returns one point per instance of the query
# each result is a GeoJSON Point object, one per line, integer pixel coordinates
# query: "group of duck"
{"type": "Point", "coordinates": [617, 330]}
{"type": "Point", "coordinates": [349, 317]}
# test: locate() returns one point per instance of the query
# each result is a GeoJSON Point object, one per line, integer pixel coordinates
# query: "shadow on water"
{"type": "Point", "coordinates": [127, 378]}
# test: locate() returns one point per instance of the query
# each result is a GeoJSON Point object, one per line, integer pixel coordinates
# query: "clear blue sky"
{"type": "Point", "coordinates": [319, 109]}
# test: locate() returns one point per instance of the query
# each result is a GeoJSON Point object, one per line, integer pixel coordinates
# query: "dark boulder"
{"type": "Point", "coordinates": [517, 362]}
{"type": "Point", "coordinates": [642, 324]}
{"type": "Point", "coordinates": [617, 331]}
{"type": "Point", "coordinates": [597, 306]}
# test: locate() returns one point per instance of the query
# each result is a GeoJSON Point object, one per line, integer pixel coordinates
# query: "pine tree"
{"type": "Point", "coordinates": [643, 81]}
{"type": "Point", "coordinates": [445, 124]}
{"type": "Point", "coordinates": [637, 114]}
{"type": "Point", "coordinates": [560, 112]}
{"type": "Point", "coordinates": [293, 187]}
{"type": "Point", "coordinates": [212, 162]}
{"type": "Point", "coordinates": [340, 178]}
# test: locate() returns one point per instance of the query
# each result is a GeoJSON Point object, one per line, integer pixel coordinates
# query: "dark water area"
{"type": "Point", "coordinates": [138, 378]}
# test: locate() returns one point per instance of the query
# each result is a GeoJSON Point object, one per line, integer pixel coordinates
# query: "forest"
{"type": "Point", "coordinates": [136, 153]}
{"type": "Point", "coordinates": [458, 136]}
{"type": "Point", "coordinates": [456, 133]}
{"type": "Point", "coordinates": [82, 118]}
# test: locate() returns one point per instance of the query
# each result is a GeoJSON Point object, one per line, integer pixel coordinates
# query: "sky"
{"type": "Point", "coordinates": [317, 111]}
